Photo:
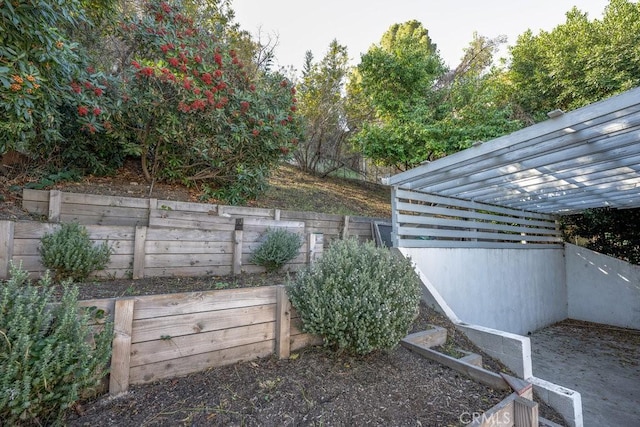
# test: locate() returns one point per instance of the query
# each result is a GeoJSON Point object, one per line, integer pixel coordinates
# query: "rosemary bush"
{"type": "Point", "coordinates": [278, 247]}
{"type": "Point", "coordinates": [358, 297]}
{"type": "Point", "coordinates": [69, 253]}
{"type": "Point", "coordinates": [48, 354]}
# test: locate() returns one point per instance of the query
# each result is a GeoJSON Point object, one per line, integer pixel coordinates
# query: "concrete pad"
{"type": "Point", "coordinates": [600, 362]}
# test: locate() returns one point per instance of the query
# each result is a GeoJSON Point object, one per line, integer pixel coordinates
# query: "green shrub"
{"type": "Point", "coordinates": [358, 297]}
{"type": "Point", "coordinates": [69, 252]}
{"type": "Point", "coordinates": [48, 357]}
{"type": "Point", "coordinates": [278, 247]}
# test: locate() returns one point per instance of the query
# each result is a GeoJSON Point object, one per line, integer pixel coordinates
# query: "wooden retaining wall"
{"type": "Point", "coordinates": [171, 335]}
{"type": "Point", "coordinates": [224, 247]}
{"type": "Point", "coordinates": [89, 209]}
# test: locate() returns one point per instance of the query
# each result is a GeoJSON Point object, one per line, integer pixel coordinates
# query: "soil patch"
{"type": "Point", "coordinates": [314, 387]}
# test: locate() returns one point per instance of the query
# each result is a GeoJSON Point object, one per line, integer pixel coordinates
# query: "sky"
{"type": "Point", "coordinates": [300, 25]}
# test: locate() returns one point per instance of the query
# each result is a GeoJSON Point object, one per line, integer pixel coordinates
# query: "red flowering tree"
{"type": "Point", "coordinates": [197, 116]}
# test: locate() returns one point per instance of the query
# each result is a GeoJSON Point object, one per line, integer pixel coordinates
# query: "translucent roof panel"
{"type": "Point", "coordinates": [586, 158]}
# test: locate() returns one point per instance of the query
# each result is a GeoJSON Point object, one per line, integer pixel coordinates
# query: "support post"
{"type": "Point", "coordinates": [526, 412]}
{"type": "Point", "coordinates": [6, 248]}
{"type": "Point", "coordinates": [311, 247]}
{"type": "Point", "coordinates": [121, 347]}
{"type": "Point", "coordinates": [345, 227]}
{"type": "Point", "coordinates": [237, 246]}
{"type": "Point", "coordinates": [55, 202]}
{"type": "Point", "coordinates": [283, 323]}
{"type": "Point", "coordinates": [138, 252]}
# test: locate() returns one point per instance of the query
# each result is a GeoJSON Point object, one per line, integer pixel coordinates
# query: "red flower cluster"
{"type": "Point", "coordinates": [82, 110]}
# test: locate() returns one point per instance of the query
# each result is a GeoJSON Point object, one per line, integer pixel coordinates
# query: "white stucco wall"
{"type": "Point", "coordinates": [513, 290]}
{"type": "Point", "coordinates": [602, 289]}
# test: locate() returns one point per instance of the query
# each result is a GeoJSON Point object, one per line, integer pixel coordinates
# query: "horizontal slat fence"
{"type": "Point", "coordinates": [141, 251]}
{"type": "Point", "coordinates": [171, 335]}
{"type": "Point", "coordinates": [91, 209]}
{"type": "Point", "coordinates": [423, 220]}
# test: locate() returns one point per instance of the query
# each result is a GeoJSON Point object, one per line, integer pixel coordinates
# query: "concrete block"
{"type": "Point", "coordinates": [430, 338]}
{"type": "Point", "coordinates": [471, 358]}
{"type": "Point", "coordinates": [567, 402]}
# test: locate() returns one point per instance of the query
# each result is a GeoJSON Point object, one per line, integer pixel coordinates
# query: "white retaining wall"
{"type": "Point", "coordinates": [513, 290]}
{"type": "Point", "coordinates": [602, 289]}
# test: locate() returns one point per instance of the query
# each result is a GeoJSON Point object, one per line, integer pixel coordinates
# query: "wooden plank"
{"type": "Point", "coordinates": [417, 243]}
{"type": "Point", "coordinates": [101, 220]}
{"type": "Point", "coordinates": [121, 347]}
{"type": "Point", "coordinates": [35, 201]}
{"type": "Point", "coordinates": [6, 248]}
{"type": "Point", "coordinates": [242, 211]}
{"type": "Point", "coordinates": [526, 412]}
{"type": "Point", "coordinates": [481, 375]}
{"type": "Point", "coordinates": [237, 252]}
{"type": "Point", "coordinates": [466, 204]}
{"type": "Point", "coordinates": [170, 348]}
{"type": "Point", "coordinates": [472, 234]}
{"type": "Point", "coordinates": [172, 205]}
{"type": "Point", "coordinates": [186, 260]}
{"type": "Point", "coordinates": [102, 200]}
{"type": "Point", "coordinates": [55, 200]}
{"type": "Point", "coordinates": [474, 223]}
{"type": "Point", "coordinates": [189, 247]}
{"type": "Point", "coordinates": [194, 323]}
{"type": "Point", "coordinates": [186, 365]}
{"type": "Point", "coordinates": [149, 306]}
{"type": "Point", "coordinates": [305, 216]}
{"type": "Point", "coordinates": [35, 195]}
{"type": "Point", "coordinates": [283, 323]}
{"type": "Point", "coordinates": [166, 234]}
{"type": "Point", "coordinates": [178, 219]}
{"type": "Point", "coordinates": [105, 212]}
{"type": "Point", "coordinates": [139, 255]}
{"type": "Point", "coordinates": [500, 415]}
{"type": "Point", "coordinates": [440, 210]}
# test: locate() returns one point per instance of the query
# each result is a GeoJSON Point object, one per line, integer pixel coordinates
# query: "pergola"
{"type": "Point", "coordinates": [586, 158]}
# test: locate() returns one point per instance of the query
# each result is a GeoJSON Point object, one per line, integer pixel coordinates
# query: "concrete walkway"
{"type": "Point", "coordinates": [602, 363]}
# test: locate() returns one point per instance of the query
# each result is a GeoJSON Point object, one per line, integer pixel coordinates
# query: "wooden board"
{"type": "Point", "coordinates": [147, 352]}
{"type": "Point", "coordinates": [193, 302]}
{"type": "Point", "coordinates": [195, 323]}
{"type": "Point", "coordinates": [199, 362]}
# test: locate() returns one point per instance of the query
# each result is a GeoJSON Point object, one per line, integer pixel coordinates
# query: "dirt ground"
{"type": "Point", "coordinates": [313, 387]}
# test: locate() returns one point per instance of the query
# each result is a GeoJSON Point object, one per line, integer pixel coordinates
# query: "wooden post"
{"type": "Point", "coordinates": [138, 252]}
{"type": "Point", "coordinates": [345, 227]}
{"type": "Point", "coordinates": [55, 202]}
{"type": "Point", "coordinates": [526, 412]}
{"type": "Point", "coordinates": [6, 248]}
{"type": "Point", "coordinates": [311, 245]}
{"type": "Point", "coordinates": [283, 323]}
{"type": "Point", "coordinates": [237, 246]}
{"type": "Point", "coordinates": [153, 205]}
{"type": "Point", "coordinates": [121, 347]}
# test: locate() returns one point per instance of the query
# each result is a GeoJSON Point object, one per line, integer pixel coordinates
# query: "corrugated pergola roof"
{"type": "Point", "coordinates": [582, 159]}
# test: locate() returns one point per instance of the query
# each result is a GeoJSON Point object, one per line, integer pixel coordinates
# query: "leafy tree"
{"type": "Point", "coordinates": [196, 114]}
{"type": "Point", "coordinates": [613, 232]}
{"type": "Point", "coordinates": [322, 105]}
{"type": "Point", "coordinates": [578, 62]}
{"type": "Point", "coordinates": [395, 79]}
{"type": "Point", "coordinates": [37, 63]}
